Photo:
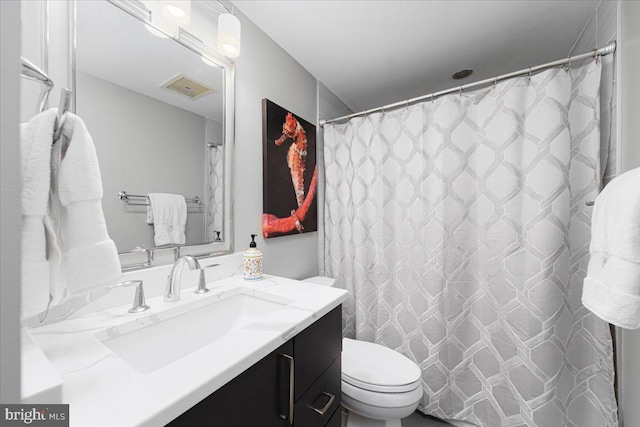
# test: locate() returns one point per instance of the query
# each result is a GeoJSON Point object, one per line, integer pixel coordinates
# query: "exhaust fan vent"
{"type": "Point", "coordinates": [187, 86]}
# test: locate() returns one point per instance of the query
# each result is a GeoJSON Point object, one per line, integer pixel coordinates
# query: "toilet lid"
{"type": "Point", "coordinates": [377, 368]}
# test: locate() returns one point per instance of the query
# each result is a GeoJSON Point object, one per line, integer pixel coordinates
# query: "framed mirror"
{"type": "Point", "coordinates": [160, 109]}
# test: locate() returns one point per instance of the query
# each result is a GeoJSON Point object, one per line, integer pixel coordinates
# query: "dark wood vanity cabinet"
{"type": "Point", "coordinates": [296, 385]}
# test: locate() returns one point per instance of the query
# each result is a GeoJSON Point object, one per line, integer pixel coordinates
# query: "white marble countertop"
{"type": "Point", "coordinates": [103, 390]}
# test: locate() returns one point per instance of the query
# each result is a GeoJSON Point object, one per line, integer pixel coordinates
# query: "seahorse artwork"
{"type": "Point", "coordinates": [286, 136]}
{"type": "Point", "coordinates": [272, 225]}
{"type": "Point", "coordinates": [297, 154]}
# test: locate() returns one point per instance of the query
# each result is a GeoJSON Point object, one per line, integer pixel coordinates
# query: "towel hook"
{"type": "Point", "coordinates": [61, 118]}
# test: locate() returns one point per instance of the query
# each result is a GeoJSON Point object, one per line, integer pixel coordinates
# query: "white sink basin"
{"type": "Point", "coordinates": [154, 341]}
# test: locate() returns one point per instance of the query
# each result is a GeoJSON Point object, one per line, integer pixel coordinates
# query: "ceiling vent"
{"type": "Point", "coordinates": [187, 86]}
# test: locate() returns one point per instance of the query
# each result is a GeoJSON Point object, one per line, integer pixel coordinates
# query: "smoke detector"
{"type": "Point", "coordinates": [187, 86]}
{"type": "Point", "coordinates": [462, 74]}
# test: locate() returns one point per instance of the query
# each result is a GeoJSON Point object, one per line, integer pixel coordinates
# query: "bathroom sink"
{"type": "Point", "coordinates": [154, 341]}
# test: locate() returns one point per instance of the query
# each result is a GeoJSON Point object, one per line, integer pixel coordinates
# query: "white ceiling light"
{"type": "Point", "coordinates": [229, 35]}
{"type": "Point", "coordinates": [160, 25]}
{"type": "Point", "coordinates": [178, 11]}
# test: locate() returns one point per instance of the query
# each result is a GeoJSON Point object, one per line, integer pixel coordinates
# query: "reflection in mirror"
{"type": "Point", "coordinates": [156, 110]}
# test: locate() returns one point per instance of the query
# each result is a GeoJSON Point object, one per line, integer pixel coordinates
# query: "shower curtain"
{"type": "Point", "coordinates": [459, 228]}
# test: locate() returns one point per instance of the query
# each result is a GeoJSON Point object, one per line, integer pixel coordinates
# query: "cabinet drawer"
{"type": "Point", "coordinates": [317, 405]}
{"type": "Point", "coordinates": [336, 419]}
{"type": "Point", "coordinates": [250, 399]}
{"type": "Point", "coordinates": [316, 348]}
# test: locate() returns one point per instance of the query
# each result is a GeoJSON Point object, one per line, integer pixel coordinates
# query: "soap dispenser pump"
{"type": "Point", "coordinates": [252, 261]}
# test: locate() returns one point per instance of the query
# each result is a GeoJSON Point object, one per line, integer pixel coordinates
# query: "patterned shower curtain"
{"type": "Point", "coordinates": [459, 228]}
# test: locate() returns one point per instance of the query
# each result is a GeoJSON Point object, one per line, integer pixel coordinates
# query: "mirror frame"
{"type": "Point", "coordinates": [140, 258]}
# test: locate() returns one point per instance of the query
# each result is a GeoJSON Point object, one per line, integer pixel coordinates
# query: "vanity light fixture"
{"type": "Point", "coordinates": [157, 23]}
{"type": "Point", "coordinates": [178, 11]}
{"type": "Point", "coordinates": [229, 35]}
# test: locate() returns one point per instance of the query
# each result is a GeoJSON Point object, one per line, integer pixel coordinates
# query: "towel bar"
{"type": "Point", "coordinates": [124, 196]}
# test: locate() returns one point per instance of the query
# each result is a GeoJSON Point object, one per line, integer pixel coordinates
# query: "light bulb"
{"type": "Point", "coordinates": [178, 11]}
{"type": "Point", "coordinates": [175, 11]}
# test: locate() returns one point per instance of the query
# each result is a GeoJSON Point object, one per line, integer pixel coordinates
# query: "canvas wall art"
{"type": "Point", "coordinates": [289, 171]}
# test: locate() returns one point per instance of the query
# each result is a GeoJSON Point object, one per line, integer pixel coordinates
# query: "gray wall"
{"type": "Point", "coordinates": [598, 31]}
{"type": "Point", "coordinates": [630, 158]}
{"type": "Point", "coordinates": [329, 107]}
{"type": "Point", "coordinates": [620, 20]}
{"type": "Point", "coordinates": [10, 190]}
{"type": "Point", "coordinates": [265, 70]}
{"type": "Point", "coordinates": [144, 146]}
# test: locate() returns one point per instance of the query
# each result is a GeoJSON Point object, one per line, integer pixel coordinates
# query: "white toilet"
{"type": "Point", "coordinates": [379, 386]}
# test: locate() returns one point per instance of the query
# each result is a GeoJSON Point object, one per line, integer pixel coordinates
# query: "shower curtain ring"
{"type": "Point", "coordinates": [495, 80]}
{"type": "Point", "coordinates": [529, 74]}
{"type": "Point", "coordinates": [460, 89]}
{"type": "Point", "coordinates": [433, 98]}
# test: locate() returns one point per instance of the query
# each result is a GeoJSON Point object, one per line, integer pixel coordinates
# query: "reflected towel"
{"type": "Point", "coordinates": [612, 286]}
{"type": "Point", "coordinates": [169, 216]}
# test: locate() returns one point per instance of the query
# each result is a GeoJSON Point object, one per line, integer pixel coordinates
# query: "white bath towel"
{"type": "Point", "coordinates": [36, 138]}
{"type": "Point", "coordinates": [89, 256]}
{"type": "Point", "coordinates": [612, 286]}
{"type": "Point", "coordinates": [169, 218]}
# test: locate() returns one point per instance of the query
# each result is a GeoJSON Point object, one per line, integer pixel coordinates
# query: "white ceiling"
{"type": "Point", "coordinates": [372, 53]}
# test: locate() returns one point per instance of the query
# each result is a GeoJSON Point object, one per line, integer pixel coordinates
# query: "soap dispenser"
{"type": "Point", "coordinates": [252, 261]}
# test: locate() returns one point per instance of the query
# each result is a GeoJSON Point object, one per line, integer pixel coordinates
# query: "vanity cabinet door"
{"type": "Point", "coordinates": [255, 398]}
{"type": "Point", "coordinates": [298, 384]}
{"type": "Point", "coordinates": [316, 348]}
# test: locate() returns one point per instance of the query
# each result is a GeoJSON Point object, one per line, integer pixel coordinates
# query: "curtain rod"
{"type": "Point", "coordinates": [608, 49]}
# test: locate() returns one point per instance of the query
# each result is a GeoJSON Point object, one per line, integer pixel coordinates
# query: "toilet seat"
{"type": "Point", "coordinates": [382, 400]}
{"type": "Point", "coordinates": [378, 388]}
{"type": "Point", "coordinates": [375, 368]}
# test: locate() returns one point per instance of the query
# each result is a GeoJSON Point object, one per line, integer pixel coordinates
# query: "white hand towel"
{"type": "Point", "coordinates": [169, 218]}
{"type": "Point", "coordinates": [36, 138]}
{"type": "Point", "coordinates": [89, 256]}
{"type": "Point", "coordinates": [612, 286]}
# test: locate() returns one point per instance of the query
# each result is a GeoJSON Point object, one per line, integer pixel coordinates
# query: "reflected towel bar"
{"type": "Point", "coordinates": [125, 197]}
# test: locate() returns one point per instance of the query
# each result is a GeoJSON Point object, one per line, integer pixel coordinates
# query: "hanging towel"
{"type": "Point", "coordinates": [36, 138]}
{"type": "Point", "coordinates": [89, 256]}
{"type": "Point", "coordinates": [612, 286]}
{"type": "Point", "coordinates": [169, 217]}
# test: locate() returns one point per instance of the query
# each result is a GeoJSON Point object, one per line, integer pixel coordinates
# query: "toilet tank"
{"type": "Point", "coordinates": [321, 280]}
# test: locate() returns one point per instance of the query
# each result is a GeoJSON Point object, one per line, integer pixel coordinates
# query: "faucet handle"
{"type": "Point", "coordinates": [202, 284]}
{"type": "Point", "coordinates": [139, 302]}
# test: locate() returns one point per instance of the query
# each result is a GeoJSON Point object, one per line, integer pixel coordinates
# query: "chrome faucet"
{"type": "Point", "coordinates": [172, 291]}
